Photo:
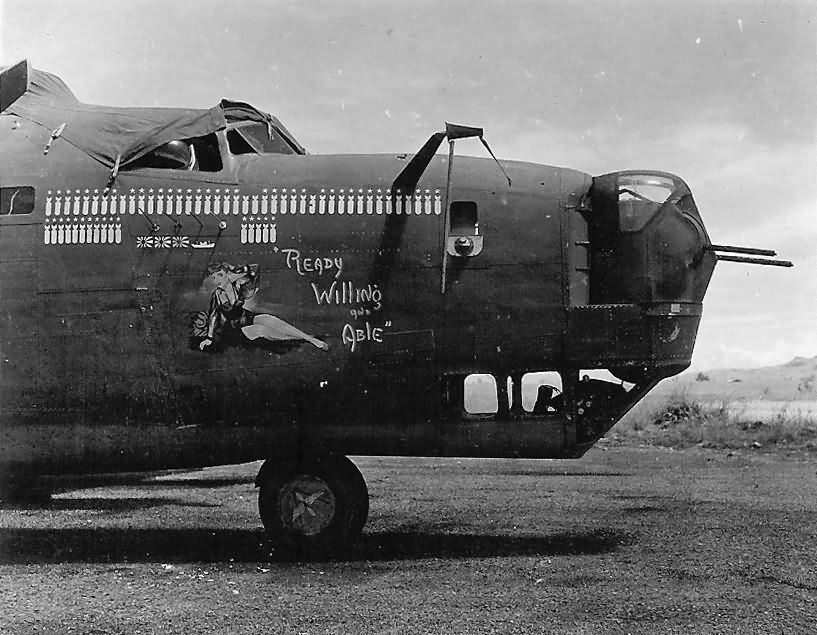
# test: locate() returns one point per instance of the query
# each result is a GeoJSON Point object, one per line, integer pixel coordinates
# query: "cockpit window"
{"type": "Point", "coordinates": [257, 137]}
{"type": "Point", "coordinates": [175, 155]}
{"type": "Point", "coordinates": [238, 144]}
{"type": "Point", "coordinates": [197, 154]}
{"type": "Point", "coordinates": [639, 197]}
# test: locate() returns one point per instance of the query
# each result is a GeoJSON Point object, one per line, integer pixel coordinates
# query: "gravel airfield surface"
{"type": "Point", "coordinates": [625, 540]}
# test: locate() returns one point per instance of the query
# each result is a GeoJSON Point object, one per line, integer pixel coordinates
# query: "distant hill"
{"type": "Point", "coordinates": [794, 381]}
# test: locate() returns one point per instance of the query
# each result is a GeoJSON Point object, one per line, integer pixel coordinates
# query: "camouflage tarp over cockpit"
{"type": "Point", "coordinates": [108, 132]}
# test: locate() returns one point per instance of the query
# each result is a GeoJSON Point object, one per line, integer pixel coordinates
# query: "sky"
{"type": "Point", "coordinates": [724, 94]}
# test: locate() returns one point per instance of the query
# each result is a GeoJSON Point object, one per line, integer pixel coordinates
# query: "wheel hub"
{"type": "Point", "coordinates": [307, 505]}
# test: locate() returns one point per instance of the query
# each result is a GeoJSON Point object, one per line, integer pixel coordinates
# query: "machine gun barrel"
{"type": "Point", "coordinates": [751, 251]}
{"type": "Point", "coordinates": [757, 261]}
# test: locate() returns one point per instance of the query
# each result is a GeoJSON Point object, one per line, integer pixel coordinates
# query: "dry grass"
{"type": "Point", "coordinates": [679, 421]}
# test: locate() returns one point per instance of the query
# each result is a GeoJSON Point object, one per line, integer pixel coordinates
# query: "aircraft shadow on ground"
{"type": "Point", "coordinates": [411, 545]}
{"type": "Point", "coordinates": [141, 481]}
{"type": "Point", "coordinates": [26, 546]}
{"type": "Point", "coordinates": [105, 504]}
{"type": "Point", "coordinates": [199, 483]}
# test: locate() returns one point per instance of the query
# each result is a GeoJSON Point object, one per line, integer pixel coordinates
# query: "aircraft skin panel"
{"type": "Point", "coordinates": [118, 336]}
{"type": "Point", "coordinates": [19, 319]}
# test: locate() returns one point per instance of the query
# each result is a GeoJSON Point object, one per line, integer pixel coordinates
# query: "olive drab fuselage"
{"type": "Point", "coordinates": [179, 318]}
{"type": "Point", "coordinates": [184, 287]}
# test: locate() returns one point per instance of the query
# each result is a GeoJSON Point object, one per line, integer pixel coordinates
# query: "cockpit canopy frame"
{"type": "Point", "coordinates": [118, 137]}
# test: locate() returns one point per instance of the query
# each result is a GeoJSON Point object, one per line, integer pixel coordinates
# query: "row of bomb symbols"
{"type": "Point", "coordinates": [150, 201]}
{"type": "Point", "coordinates": [258, 231]}
{"type": "Point", "coordinates": [230, 201]}
{"type": "Point", "coordinates": [358, 201]}
{"type": "Point", "coordinates": [343, 201]}
{"type": "Point", "coordinates": [82, 233]}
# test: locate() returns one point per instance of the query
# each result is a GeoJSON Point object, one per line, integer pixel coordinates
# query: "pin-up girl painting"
{"type": "Point", "coordinates": [235, 315]}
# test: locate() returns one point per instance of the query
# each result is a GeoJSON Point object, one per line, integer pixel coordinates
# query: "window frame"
{"type": "Point", "coordinates": [251, 141]}
{"type": "Point", "coordinates": [28, 214]}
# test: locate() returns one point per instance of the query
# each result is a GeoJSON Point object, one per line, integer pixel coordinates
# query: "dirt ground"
{"type": "Point", "coordinates": [625, 540]}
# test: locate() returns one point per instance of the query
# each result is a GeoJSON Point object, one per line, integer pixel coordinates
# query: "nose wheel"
{"type": "Point", "coordinates": [312, 506]}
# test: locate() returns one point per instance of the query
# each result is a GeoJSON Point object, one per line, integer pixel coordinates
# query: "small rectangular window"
{"type": "Point", "coordinates": [16, 200]}
{"type": "Point", "coordinates": [541, 392]}
{"type": "Point", "coordinates": [480, 394]}
{"type": "Point", "coordinates": [464, 220]}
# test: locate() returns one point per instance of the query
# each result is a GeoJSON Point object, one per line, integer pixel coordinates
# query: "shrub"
{"type": "Point", "coordinates": [679, 421]}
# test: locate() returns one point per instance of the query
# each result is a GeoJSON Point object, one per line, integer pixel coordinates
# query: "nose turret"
{"type": "Point", "coordinates": [648, 241]}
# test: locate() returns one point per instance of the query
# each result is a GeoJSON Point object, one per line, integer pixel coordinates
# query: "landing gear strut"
{"type": "Point", "coordinates": [313, 505]}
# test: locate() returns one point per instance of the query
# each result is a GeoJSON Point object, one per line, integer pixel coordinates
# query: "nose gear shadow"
{"type": "Point", "coordinates": [27, 546]}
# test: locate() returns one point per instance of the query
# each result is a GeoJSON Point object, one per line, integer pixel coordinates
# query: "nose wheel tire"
{"type": "Point", "coordinates": [360, 496]}
{"type": "Point", "coordinates": [312, 506]}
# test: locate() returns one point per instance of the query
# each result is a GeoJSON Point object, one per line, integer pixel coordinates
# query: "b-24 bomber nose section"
{"type": "Point", "coordinates": [650, 262]}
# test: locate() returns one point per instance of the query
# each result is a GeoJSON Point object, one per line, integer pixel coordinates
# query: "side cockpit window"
{"type": "Point", "coordinates": [174, 155]}
{"type": "Point", "coordinates": [198, 154]}
{"type": "Point", "coordinates": [208, 156]}
{"type": "Point", "coordinates": [257, 138]}
{"type": "Point", "coordinates": [238, 144]}
{"type": "Point", "coordinates": [17, 200]}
